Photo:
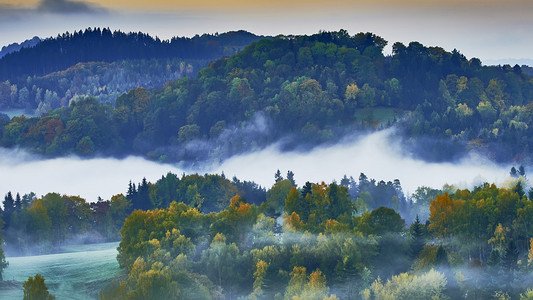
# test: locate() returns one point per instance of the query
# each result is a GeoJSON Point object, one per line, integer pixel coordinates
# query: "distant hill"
{"type": "Point", "coordinates": [16, 46]}
{"type": "Point", "coordinates": [104, 45]}
{"type": "Point", "coordinates": [105, 64]}
{"type": "Point", "coordinates": [301, 91]}
{"type": "Point", "coordinates": [509, 61]}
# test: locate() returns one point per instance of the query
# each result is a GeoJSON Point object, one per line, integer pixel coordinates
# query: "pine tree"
{"type": "Point", "coordinates": [278, 176]}
{"type": "Point", "coordinates": [522, 171]}
{"type": "Point", "coordinates": [418, 238]}
{"type": "Point", "coordinates": [519, 189]}
{"type": "Point", "coordinates": [9, 208]}
{"type": "Point", "coordinates": [306, 189]}
{"type": "Point", "coordinates": [18, 202]}
{"type": "Point", "coordinates": [143, 196]}
{"type": "Point", "coordinates": [290, 177]}
{"type": "Point", "coordinates": [131, 191]}
{"type": "Point", "coordinates": [27, 199]}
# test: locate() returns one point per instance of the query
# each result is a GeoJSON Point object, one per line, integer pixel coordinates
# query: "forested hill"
{"type": "Point", "coordinates": [307, 90]}
{"type": "Point", "coordinates": [16, 46]}
{"type": "Point", "coordinates": [68, 49]}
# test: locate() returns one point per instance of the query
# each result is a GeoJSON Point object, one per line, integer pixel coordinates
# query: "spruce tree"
{"type": "Point", "coordinates": [306, 189]}
{"type": "Point", "coordinates": [418, 238]}
{"type": "Point", "coordinates": [18, 202]}
{"type": "Point", "coordinates": [9, 208]}
{"type": "Point", "coordinates": [290, 177]}
{"type": "Point", "coordinates": [278, 176]}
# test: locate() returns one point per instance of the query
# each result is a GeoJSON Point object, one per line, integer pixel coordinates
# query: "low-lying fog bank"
{"type": "Point", "coordinates": [377, 155]}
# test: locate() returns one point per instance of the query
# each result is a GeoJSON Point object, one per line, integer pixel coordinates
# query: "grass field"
{"type": "Point", "coordinates": [77, 274]}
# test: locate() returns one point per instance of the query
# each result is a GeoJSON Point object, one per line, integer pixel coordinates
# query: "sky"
{"type": "Point", "coordinates": [494, 31]}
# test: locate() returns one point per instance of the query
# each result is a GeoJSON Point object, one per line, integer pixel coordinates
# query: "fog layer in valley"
{"type": "Point", "coordinates": [377, 155]}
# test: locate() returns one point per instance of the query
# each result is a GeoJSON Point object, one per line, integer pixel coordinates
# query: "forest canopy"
{"type": "Point", "coordinates": [307, 90]}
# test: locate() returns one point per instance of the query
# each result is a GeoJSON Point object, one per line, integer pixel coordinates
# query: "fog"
{"type": "Point", "coordinates": [378, 155]}
{"type": "Point", "coordinates": [88, 178]}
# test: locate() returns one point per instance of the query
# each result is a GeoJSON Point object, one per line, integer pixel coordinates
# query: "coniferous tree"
{"type": "Point", "coordinates": [142, 197]}
{"type": "Point", "coordinates": [418, 238]}
{"type": "Point", "coordinates": [290, 177]}
{"type": "Point", "coordinates": [278, 176]}
{"type": "Point", "coordinates": [9, 208]}
{"type": "Point", "coordinates": [519, 189]}
{"type": "Point", "coordinates": [27, 199]}
{"type": "Point", "coordinates": [18, 202]}
{"type": "Point", "coordinates": [521, 171]}
{"type": "Point", "coordinates": [306, 189]}
{"type": "Point", "coordinates": [131, 190]}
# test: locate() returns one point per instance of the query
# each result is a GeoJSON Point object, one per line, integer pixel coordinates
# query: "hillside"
{"type": "Point", "coordinates": [104, 64]}
{"type": "Point", "coordinates": [68, 49]}
{"type": "Point", "coordinates": [16, 46]}
{"type": "Point", "coordinates": [303, 90]}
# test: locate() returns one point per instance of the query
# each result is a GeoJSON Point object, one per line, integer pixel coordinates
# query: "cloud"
{"type": "Point", "coordinates": [378, 155]}
{"type": "Point", "coordinates": [67, 7]}
{"type": "Point", "coordinates": [89, 178]}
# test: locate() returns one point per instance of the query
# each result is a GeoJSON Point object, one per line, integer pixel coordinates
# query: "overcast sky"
{"type": "Point", "coordinates": [486, 29]}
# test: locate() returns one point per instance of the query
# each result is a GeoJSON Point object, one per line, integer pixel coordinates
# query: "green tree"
{"type": "Point", "coordinates": [381, 221]}
{"type": "Point", "coordinates": [35, 288]}
{"type": "Point", "coordinates": [9, 208]}
{"type": "Point", "coordinates": [188, 133]}
{"type": "Point", "coordinates": [275, 198]}
{"type": "Point", "coordinates": [418, 238]}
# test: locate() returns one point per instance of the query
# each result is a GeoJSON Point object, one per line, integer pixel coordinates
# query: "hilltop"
{"type": "Point", "coordinates": [104, 64]}
{"type": "Point", "coordinates": [304, 91]}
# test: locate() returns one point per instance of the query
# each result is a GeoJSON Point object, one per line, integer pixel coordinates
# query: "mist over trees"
{"type": "Point", "coordinates": [208, 237]}
{"type": "Point", "coordinates": [33, 226]}
{"type": "Point", "coordinates": [302, 91]}
{"type": "Point", "coordinates": [320, 246]}
{"type": "Point", "coordinates": [211, 237]}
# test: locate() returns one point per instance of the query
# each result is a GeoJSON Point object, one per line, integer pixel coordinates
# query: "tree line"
{"type": "Point", "coordinates": [307, 90]}
{"type": "Point", "coordinates": [208, 237]}
{"type": "Point", "coordinates": [475, 245]}
{"type": "Point", "coordinates": [103, 45]}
